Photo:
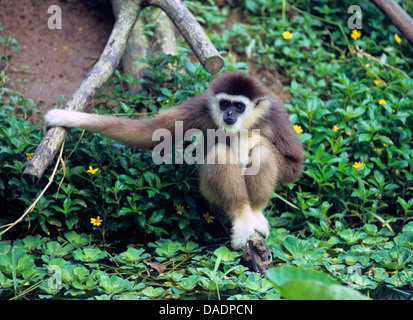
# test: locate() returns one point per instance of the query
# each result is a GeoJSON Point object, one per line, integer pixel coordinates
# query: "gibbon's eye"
{"type": "Point", "coordinates": [239, 106]}
{"type": "Point", "coordinates": [224, 104]}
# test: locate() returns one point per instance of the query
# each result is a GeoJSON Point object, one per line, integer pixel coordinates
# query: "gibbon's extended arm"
{"type": "Point", "coordinates": [131, 132]}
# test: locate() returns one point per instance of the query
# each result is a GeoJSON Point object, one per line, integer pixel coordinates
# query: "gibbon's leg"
{"type": "Point", "coordinates": [261, 184]}
{"type": "Point", "coordinates": [223, 184]}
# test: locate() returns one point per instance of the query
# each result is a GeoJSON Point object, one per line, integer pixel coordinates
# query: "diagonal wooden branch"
{"type": "Point", "coordinates": [398, 17]}
{"type": "Point", "coordinates": [102, 70]}
{"type": "Point", "coordinates": [109, 60]}
{"type": "Point", "coordinates": [193, 33]}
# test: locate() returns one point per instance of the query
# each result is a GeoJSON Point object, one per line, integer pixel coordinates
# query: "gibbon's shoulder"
{"type": "Point", "coordinates": [197, 106]}
{"type": "Point", "coordinates": [196, 112]}
{"type": "Point", "coordinates": [276, 105]}
{"type": "Point", "coordinates": [276, 114]}
{"type": "Point", "coordinates": [277, 127]}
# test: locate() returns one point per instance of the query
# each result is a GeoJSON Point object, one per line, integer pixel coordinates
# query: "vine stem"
{"type": "Point", "coordinates": [30, 209]}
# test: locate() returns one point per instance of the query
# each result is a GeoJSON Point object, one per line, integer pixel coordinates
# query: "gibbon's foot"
{"type": "Point", "coordinates": [247, 225]}
{"type": "Point", "coordinates": [262, 227]}
{"type": "Point", "coordinates": [256, 254]}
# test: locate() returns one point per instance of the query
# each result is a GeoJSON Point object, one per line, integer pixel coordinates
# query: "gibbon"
{"type": "Point", "coordinates": [234, 102]}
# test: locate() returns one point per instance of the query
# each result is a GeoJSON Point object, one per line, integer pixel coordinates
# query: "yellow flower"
{"type": "Point", "coordinates": [179, 209]}
{"type": "Point", "coordinates": [80, 28]}
{"type": "Point", "coordinates": [355, 34]}
{"type": "Point", "coordinates": [298, 129]}
{"type": "Point", "coordinates": [358, 164]}
{"type": "Point", "coordinates": [336, 128]}
{"type": "Point", "coordinates": [397, 38]}
{"type": "Point", "coordinates": [29, 155]}
{"type": "Point", "coordinates": [287, 35]}
{"type": "Point", "coordinates": [167, 101]}
{"type": "Point", "coordinates": [91, 170]}
{"type": "Point", "coordinates": [208, 217]}
{"type": "Point", "coordinates": [96, 221]}
{"type": "Point", "coordinates": [377, 82]}
{"type": "Point", "coordinates": [382, 101]}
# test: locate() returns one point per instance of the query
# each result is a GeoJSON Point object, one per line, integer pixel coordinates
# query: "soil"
{"type": "Point", "coordinates": [54, 61]}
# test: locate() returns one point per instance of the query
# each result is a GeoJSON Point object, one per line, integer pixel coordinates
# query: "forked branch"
{"type": "Point", "coordinates": [109, 60]}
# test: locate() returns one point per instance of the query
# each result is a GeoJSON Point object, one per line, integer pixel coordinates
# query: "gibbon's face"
{"type": "Point", "coordinates": [235, 112]}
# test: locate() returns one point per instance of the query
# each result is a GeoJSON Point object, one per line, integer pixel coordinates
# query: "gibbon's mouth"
{"type": "Point", "coordinates": [230, 121]}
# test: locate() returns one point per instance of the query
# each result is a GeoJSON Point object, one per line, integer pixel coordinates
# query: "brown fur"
{"type": "Point", "coordinates": [281, 155]}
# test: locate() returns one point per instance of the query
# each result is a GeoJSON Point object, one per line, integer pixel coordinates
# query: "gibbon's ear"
{"type": "Point", "coordinates": [257, 102]}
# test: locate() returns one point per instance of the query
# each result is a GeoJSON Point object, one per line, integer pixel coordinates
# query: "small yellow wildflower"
{"type": "Point", "coordinates": [91, 170]}
{"type": "Point", "coordinates": [382, 101]}
{"type": "Point", "coordinates": [208, 217]}
{"type": "Point", "coordinates": [358, 164]}
{"type": "Point", "coordinates": [96, 221]}
{"type": "Point", "coordinates": [179, 209]}
{"type": "Point", "coordinates": [336, 128]}
{"type": "Point", "coordinates": [80, 29]}
{"type": "Point", "coordinates": [397, 38]}
{"type": "Point", "coordinates": [355, 34]}
{"type": "Point", "coordinates": [167, 101]}
{"type": "Point", "coordinates": [298, 129]}
{"type": "Point", "coordinates": [377, 82]}
{"type": "Point", "coordinates": [29, 155]}
{"type": "Point", "coordinates": [287, 35]}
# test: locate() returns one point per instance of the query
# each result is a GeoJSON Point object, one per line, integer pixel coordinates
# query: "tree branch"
{"type": "Point", "coordinates": [109, 60]}
{"type": "Point", "coordinates": [140, 46]}
{"type": "Point", "coordinates": [102, 70]}
{"type": "Point", "coordinates": [193, 33]}
{"type": "Point", "coordinates": [398, 17]}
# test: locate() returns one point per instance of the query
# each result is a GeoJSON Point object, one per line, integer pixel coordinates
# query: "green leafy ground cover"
{"type": "Point", "coordinates": [343, 230]}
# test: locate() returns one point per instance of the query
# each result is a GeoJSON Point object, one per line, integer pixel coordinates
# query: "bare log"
{"type": "Point", "coordinates": [398, 17]}
{"type": "Point", "coordinates": [100, 73]}
{"type": "Point", "coordinates": [193, 33]}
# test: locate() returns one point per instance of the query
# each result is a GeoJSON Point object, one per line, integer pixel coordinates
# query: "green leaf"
{"type": "Point", "coordinates": [190, 282]}
{"type": "Point", "coordinates": [351, 236]}
{"type": "Point", "coordinates": [4, 248]}
{"type": "Point", "coordinates": [78, 240]}
{"type": "Point", "coordinates": [152, 292]}
{"type": "Point", "coordinates": [132, 256]}
{"type": "Point", "coordinates": [89, 254]}
{"type": "Point", "coordinates": [16, 261]}
{"type": "Point", "coordinates": [115, 285]}
{"type": "Point", "coordinates": [305, 284]}
{"type": "Point", "coordinates": [168, 248]}
{"type": "Point", "coordinates": [226, 254]}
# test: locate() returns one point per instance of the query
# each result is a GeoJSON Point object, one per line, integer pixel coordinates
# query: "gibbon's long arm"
{"type": "Point", "coordinates": [133, 132]}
